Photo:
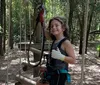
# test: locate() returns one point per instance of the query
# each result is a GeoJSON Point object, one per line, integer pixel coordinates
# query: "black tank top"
{"type": "Point", "coordinates": [55, 63]}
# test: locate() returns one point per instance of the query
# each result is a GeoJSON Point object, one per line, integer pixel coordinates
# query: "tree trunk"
{"type": "Point", "coordinates": [4, 25]}
{"type": "Point", "coordinates": [71, 4]}
{"type": "Point", "coordinates": [10, 26]}
{"type": "Point", "coordinates": [81, 21]}
{"type": "Point", "coordinates": [84, 40]}
{"type": "Point", "coordinates": [38, 29]}
{"type": "Point", "coordinates": [81, 33]}
{"type": "Point", "coordinates": [1, 51]}
{"type": "Point", "coordinates": [89, 26]}
{"type": "Point", "coordinates": [37, 34]}
{"type": "Point", "coordinates": [1, 24]}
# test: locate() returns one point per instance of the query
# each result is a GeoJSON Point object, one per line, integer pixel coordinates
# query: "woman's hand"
{"type": "Point", "coordinates": [56, 54]}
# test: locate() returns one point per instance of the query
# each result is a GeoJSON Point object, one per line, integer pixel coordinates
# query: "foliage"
{"type": "Point", "coordinates": [20, 18]}
{"type": "Point", "coordinates": [98, 47]}
{"type": "Point", "coordinates": [55, 8]}
{"type": "Point", "coordinates": [23, 12]}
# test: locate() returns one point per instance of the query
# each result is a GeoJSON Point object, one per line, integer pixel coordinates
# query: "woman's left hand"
{"type": "Point", "coordinates": [56, 54]}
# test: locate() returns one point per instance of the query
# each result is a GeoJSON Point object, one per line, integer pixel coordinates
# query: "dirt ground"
{"type": "Point", "coordinates": [10, 66]}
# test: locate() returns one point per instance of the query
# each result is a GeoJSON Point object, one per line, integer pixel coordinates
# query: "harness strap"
{"type": "Point", "coordinates": [59, 45]}
{"type": "Point", "coordinates": [68, 79]}
{"type": "Point", "coordinates": [67, 74]}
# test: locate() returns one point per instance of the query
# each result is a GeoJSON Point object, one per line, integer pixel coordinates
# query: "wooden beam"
{"type": "Point", "coordinates": [35, 50]}
{"type": "Point", "coordinates": [30, 64]}
{"type": "Point", "coordinates": [25, 81]}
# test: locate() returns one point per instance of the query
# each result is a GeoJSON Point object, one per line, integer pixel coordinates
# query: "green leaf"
{"type": "Point", "coordinates": [98, 48]}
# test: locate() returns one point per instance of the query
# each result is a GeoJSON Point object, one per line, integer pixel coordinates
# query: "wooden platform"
{"type": "Point", "coordinates": [24, 45]}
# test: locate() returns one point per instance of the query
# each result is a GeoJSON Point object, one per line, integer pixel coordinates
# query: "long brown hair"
{"type": "Point", "coordinates": [64, 25]}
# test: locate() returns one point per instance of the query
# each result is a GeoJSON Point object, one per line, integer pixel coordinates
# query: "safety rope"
{"type": "Point", "coordinates": [40, 18]}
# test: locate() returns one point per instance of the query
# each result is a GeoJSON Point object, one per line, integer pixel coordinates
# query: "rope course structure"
{"type": "Point", "coordinates": [40, 53]}
{"type": "Point", "coordinates": [28, 63]}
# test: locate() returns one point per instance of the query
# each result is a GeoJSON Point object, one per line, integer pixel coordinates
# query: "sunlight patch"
{"type": "Point", "coordinates": [94, 68]}
{"type": "Point", "coordinates": [3, 68]}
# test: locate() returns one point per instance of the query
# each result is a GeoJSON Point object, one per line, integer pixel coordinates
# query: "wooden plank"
{"type": "Point", "coordinates": [24, 80]}
{"type": "Point", "coordinates": [35, 50]}
{"type": "Point", "coordinates": [30, 64]}
{"type": "Point", "coordinates": [24, 45]}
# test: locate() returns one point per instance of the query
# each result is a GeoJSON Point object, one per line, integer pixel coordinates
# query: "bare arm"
{"type": "Point", "coordinates": [70, 51]}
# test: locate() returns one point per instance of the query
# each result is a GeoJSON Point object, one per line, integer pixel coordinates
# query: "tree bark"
{"type": "Point", "coordinates": [84, 40]}
{"type": "Point", "coordinates": [4, 25]}
{"type": "Point", "coordinates": [10, 26]}
{"type": "Point", "coordinates": [71, 4]}
{"type": "Point", "coordinates": [1, 24]}
{"type": "Point", "coordinates": [81, 34]}
{"type": "Point", "coordinates": [1, 51]}
{"type": "Point", "coordinates": [89, 25]}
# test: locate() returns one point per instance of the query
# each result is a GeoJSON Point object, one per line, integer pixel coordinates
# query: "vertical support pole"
{"type": "Point", "coordinates": [84, 40]}
{"type": "Point", "coordinates": [20, 36]}
{"type": "Point", "coordinates": [8, 46]}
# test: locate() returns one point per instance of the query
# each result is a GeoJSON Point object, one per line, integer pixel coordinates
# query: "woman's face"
{"type": "Point", "coordinates": [56, 28]}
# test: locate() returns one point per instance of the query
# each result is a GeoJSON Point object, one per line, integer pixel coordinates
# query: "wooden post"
{"type": "Point", "coordinates": [84, 40]}
{"type": "Point", "coordinates": [24, 80]}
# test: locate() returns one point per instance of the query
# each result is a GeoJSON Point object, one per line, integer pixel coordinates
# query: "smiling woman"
{"type": "Point", "coordinates": [61, 54]}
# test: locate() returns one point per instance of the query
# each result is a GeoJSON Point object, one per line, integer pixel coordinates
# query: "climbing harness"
{"type": "Point", "coordinates": [51, 70]}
